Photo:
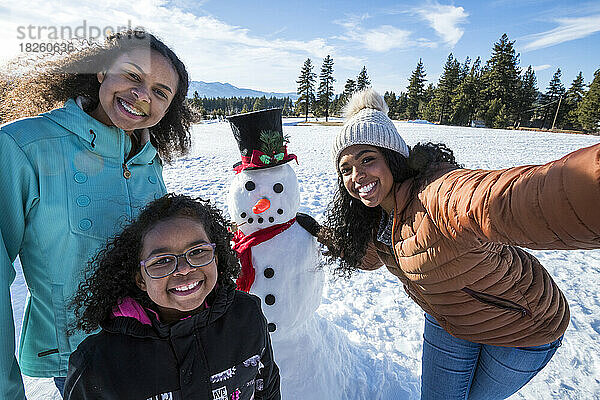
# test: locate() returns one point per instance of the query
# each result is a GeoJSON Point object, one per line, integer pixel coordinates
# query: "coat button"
{"type": "Point", "coordinates": [152, 179]}
{"type": "Point", "coordinates": [269, 272]}
{"type": "Point", "coordinates": [270, 299]}
{"type": "Point", "coordinates": [272, 327]}
{"type": "Point", "coordinates": [85, 224]}
{"type": "Point", "coordinates": [83, 201]}
{"type": "Point", "coordinates": [80, 177]}
{"type": "Point", "coordinates": [127, 174]}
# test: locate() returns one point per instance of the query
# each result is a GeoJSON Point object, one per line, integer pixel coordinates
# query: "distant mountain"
{"type": "Point", "coordinates": [218, 89]}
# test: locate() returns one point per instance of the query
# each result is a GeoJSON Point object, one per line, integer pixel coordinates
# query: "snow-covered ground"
{"type": "Point", "coordinates": [371, 308]}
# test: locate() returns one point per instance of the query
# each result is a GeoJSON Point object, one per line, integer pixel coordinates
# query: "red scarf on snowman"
{"type": "Point", "coordinates": [243, 247]}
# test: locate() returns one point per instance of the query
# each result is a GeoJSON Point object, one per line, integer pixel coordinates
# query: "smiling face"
{"type": "Point", "coordinates": [367, 176]}
{"type": "Point", "coordinates": [136, 91]}
{"type": "Point", "coordinates": [261, 198]}
{"type": "Point", "coordinates": [179, 294]}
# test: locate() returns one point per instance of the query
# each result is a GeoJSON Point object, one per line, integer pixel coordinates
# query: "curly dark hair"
{"type": "Point", "coordinates": [110, 275]}
{"type": "Point", "coordinates": [350, 225]}
{"type": "Point", "coordinates": [47, 82]}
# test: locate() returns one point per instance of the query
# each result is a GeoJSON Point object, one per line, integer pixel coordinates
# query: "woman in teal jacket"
{"type": "Point", "coordinates": [72, 176]}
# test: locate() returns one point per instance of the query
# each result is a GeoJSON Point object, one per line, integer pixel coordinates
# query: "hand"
{"type": "Point", "coordinates": [308, 223]}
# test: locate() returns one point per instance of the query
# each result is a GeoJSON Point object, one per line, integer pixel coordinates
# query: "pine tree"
{"type": "Point", "coordinates": [554, 94]}
{"type": "Point", "coordinates": [445, 89]}
{"type": "Point", "coordinates": [260, 104]}
{"type": "Point", "coordinates": [589, 109]}
{"type": "Point", "coordinates": [573, 98]}
{"type": "Point", "coordinates": [467, 98]}
{"type": "Point", "coordinates": [325, 91]}
{"type": "Point", "coordinates": [464, 70]}
{"type": "Point", "coordinates": [362, 81]}
{"type": "Point", "coordinates": [427, 107]}
{"type": "Point", "coordinates": [337, 104]}
{"type": "Point", "coordinates": [306, 87]}
{"type": "Point", "coordinates": [416, 90]}
{"type": "Point", "coordinates": [526, 96]}
{"type": "Point", "coordinates": [392, 102]}
{"type": "Point", "coordinates": [501, 78]}
{"type": "Point", "coordinates": [350, 87]}
{"type": "Point", "coordinates": [197, 106]}
{"type": "Point", "coordinates": [401, 105]}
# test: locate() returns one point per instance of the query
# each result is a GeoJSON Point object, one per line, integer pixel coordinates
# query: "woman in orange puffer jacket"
{"type": "Point", "coordinates": [494, 316]}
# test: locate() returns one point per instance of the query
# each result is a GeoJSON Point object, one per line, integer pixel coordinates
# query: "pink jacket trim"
{"type": "Point", "coordinates": [128, 307]}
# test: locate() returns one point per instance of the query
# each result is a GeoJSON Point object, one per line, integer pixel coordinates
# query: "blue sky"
{"type": "Point", "coordinates": [262, 44]}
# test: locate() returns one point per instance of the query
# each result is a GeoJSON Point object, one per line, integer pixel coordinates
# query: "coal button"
{"type": "Point", "coordinates": [269, 272]}
{"type": "Point", "coordinates": [270, 299]}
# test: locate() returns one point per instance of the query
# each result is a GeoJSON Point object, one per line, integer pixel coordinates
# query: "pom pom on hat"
{"type": "Point", "coordinates": [367, 98]}
{"type": "Point", "coordinates": [367, 123]}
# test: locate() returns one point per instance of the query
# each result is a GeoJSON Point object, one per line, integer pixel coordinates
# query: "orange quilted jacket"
{"type": "Point", "coordinates": [455, 245]}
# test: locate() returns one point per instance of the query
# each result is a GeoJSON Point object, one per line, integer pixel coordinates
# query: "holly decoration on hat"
{"type": "Point", "coordinates": [273, 146]}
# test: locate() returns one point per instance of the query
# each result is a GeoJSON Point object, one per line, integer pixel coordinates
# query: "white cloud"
{"type": "Point", "coordinates": [386, 37]}
{"type": "Point", "coordinates": [538, 68]}
{"type": "Point", "coordinates": [379, 39]}
{"type": "Point", "coordinates": [212, 49]}
{"type": "Point", "coordinates": [445, 20]}
{"type": "Point", "coordinates": [568, 29]}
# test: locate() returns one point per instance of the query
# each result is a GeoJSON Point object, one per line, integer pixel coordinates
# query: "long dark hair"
{"type": "Point", "coordinates": [350, 224]}
{"type": "Point", "coordinates": [110, 275]}
{"type": "Point", "coordinates": [48, 82]}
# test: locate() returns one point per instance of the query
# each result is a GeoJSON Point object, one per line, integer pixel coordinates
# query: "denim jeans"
{"type": "Point", "coordinates": [455, 369]}
{"type": "Point", "coordinates": [60, 384]}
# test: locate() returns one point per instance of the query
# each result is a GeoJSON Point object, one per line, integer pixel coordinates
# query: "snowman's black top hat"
{"type": "Point", "coordinates": [260, 139]}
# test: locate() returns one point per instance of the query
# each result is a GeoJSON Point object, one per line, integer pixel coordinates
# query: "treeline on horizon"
{"type": "Point", "coordinates": [499, 94]}
{"type": "Point", "coordinates": [222, 106]}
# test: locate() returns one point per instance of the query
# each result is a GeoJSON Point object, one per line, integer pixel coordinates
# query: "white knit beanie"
{"type": "Point", "coordinates": [367, 123]}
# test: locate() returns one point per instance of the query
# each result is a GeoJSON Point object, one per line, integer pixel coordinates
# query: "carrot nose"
{"type": "Point", "coordinates": [261, 206]}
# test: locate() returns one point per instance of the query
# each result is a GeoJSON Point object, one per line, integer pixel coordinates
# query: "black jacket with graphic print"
{"type": "Point", "coordinates": [223, 352]}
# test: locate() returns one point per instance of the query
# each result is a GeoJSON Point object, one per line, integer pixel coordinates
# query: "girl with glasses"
{"type": "Point", "coordinates": [172, 323]}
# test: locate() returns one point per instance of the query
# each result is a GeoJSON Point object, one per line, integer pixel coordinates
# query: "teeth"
{"type": "Point", "coordinates": [131, 109]}
{"type": "Point", "coordinates": [188, 287]}
{"type": "Point", "coordinates": [366, 188]}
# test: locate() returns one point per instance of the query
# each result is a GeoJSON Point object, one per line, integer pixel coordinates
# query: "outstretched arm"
{"type": "Point", "coordinates": [550, 206]}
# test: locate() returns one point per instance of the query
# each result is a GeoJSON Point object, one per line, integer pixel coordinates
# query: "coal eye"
{"type": "Point", "coordinates": [278, 188]}
{"type": "Point", "coordinates": [250, 186]}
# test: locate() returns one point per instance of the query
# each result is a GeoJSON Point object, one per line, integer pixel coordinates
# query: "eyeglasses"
{"type": "Point", "coordinates": [160, 266]}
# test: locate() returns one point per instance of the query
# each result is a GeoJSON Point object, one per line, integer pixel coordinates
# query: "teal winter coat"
{"type": "Point", "coordinates": [67, 185]}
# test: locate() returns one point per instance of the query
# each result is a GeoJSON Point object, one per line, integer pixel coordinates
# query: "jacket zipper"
{"type": "Point", "coordinates": [126, 157]}
{"type": "Point", "coordinates": [126, 171]}
{"type": "Point", "coordinates": [497, 301]}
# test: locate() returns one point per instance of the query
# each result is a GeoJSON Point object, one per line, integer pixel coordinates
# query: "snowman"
{"type": "Point", "coordinates": [278, 256]}
{"type": "Point", "coordinates": [280, 265]}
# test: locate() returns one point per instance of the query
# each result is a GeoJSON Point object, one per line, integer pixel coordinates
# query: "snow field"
{"type": "Point", "coordinates": [371, 308]}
